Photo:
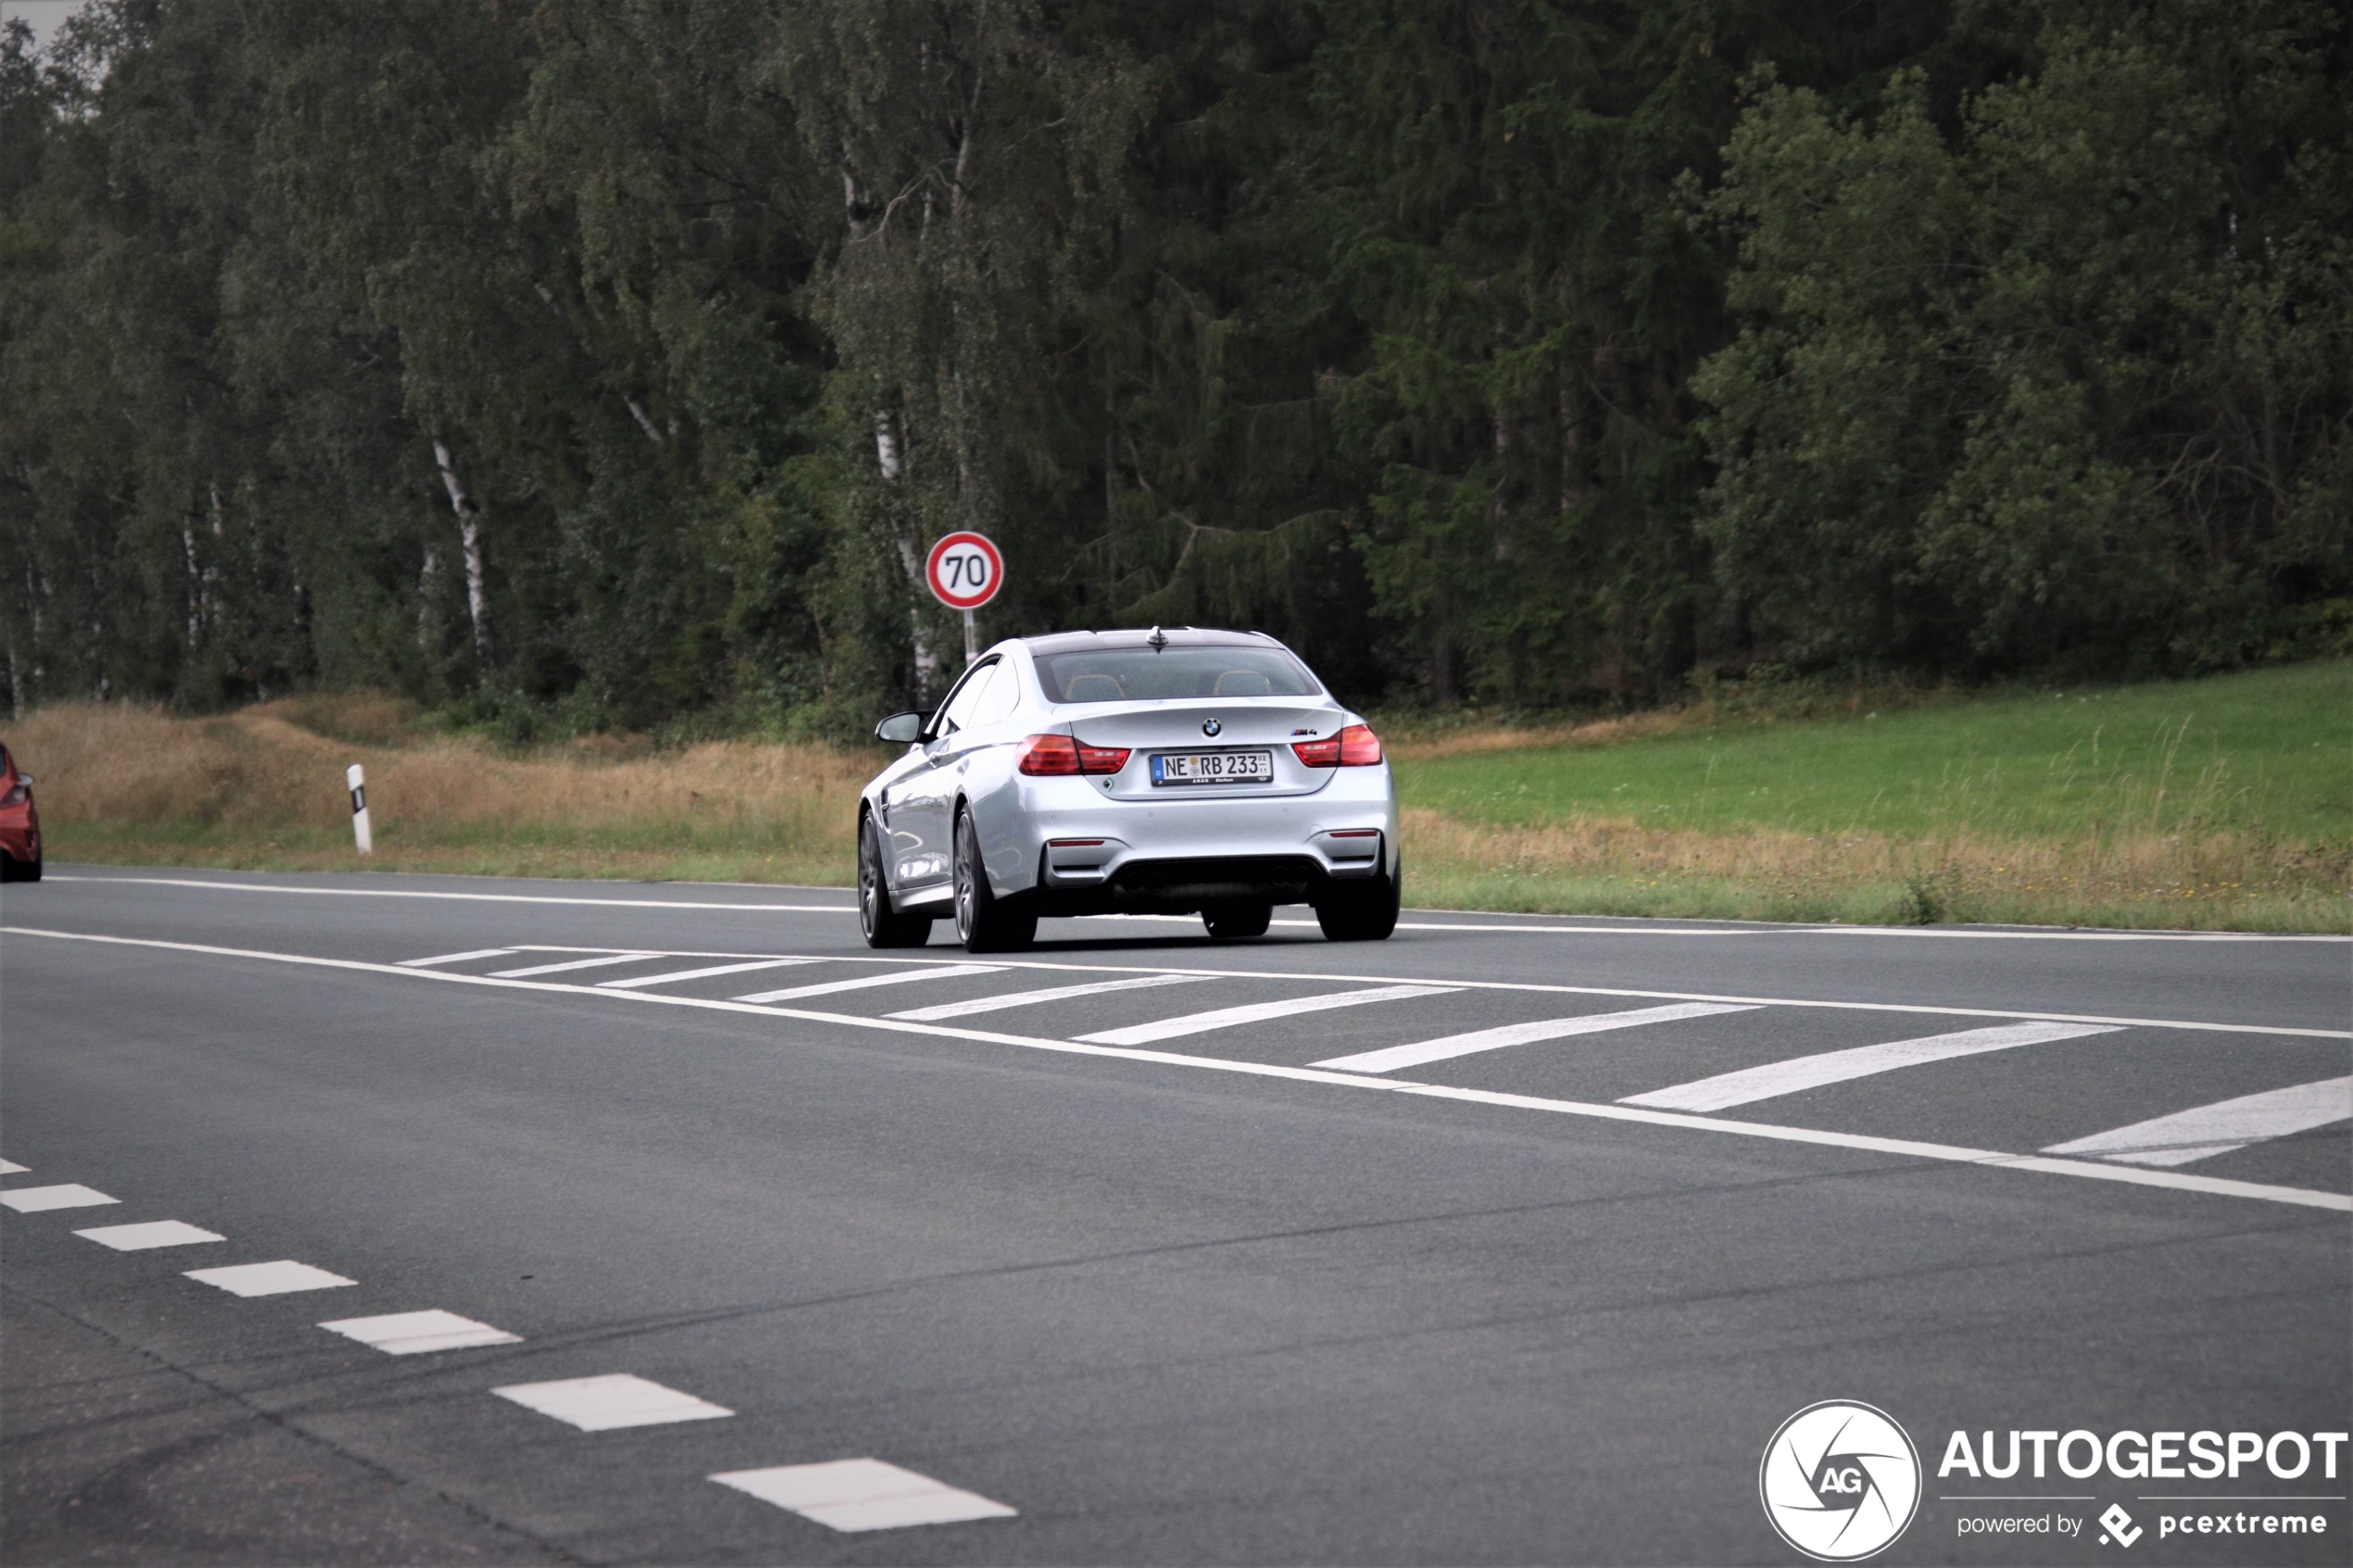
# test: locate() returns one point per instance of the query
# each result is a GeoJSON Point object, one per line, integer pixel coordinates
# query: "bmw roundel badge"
{"type": "Point", "coordinates": [1210, 726]}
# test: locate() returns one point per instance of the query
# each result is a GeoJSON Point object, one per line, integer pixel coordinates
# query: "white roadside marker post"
{"type": "Point", "coordinates": [356, 779]}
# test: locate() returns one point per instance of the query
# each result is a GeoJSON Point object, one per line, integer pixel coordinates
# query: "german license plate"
{"type": "Point", "coordinates": [1212, 767]}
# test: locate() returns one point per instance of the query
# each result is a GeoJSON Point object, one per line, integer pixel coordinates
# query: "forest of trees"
{"type": "Point", "coordinates": [610, 362]}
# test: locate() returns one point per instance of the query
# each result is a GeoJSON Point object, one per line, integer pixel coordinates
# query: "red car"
{"type": "Point", "coordinates": [19, 824]}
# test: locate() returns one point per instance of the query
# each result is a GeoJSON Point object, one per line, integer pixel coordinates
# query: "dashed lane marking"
{"type": "Point", "coordinates": [862, 1494]}
{"type": "Point", "coordinates": [1256, 1013]}
{"type": "Point", "coordinates": [867, 982]}
{"type": "Point", "coordinates": [1630, 930]}
{"type": "Point", "coordinates": [10, 1168]}
{"type": "Point", "coordinates": [72, 1194]}
{"type": "Point", "coordinates": [602, 1404]}
{"type": "Point", "coordinates": [280, 1279]}
{"type": "Point", "coordinates": [570, 964]}
{"type": "Point", "coordinates": [2209, 1130]}
{"type": "Point", "coordinates": [2085, 1170]}
{"type": "Point", "coordinates": [1775, 1078]}
{"type": "Point", "coordinates": [639, 981]}
{"type": "Point", "coordinates": [417, 1334]}
{"type": "Point", "coordinates": [459, 958]}
{"type": "Point", "coordinates": [1051, 994]}
{"type": "Point", "coordinates": [155, 1233]}
{"type": "Point", "coordinates": [1452, 1046]}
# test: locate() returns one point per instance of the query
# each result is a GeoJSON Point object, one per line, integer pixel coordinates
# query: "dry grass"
{"type": "Point", "coordinates": [1602, 865]}
{"type": "Point", "coordinates": [255, 789]}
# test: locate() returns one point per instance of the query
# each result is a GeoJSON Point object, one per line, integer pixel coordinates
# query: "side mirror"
{"type": "Point", "coordinates": [901, 728]}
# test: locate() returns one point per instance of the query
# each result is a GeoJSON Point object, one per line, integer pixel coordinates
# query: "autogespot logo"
{"type": "Point", "coordinates": [1840, 1480]}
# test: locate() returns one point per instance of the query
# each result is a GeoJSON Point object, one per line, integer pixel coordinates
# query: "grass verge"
{"type": "Point", "coordinates": [2225, 803]}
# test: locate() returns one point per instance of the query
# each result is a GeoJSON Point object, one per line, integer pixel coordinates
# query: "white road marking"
{"type": "Point", "coordinates": [640, 980]}
{"type": "Point", "coordinates": [1395, 1057]}
{"type": "Point", "coordinates": [1255, 1012]}
{"type": "Point", "coordinates": [1775, 1078]}
{"type": "Point", "coordinates": [601, 1404]}
{"type": "Point", "coordinates": [417, 1334]}
{"type": "Point", "coordinates": [2084, 1169]}
{"type": "Point", "coordinates": [459, 958]}
{"type": "Point", "coordinates": [866, 981]}
{"type": "Point", "coordinates": [1630, 930]}
{"type": "Point", "coordinates": [862, 1494]}
{"type": "Point", "coordinates": [570, 964]}
{"type": "Point", "coordinates": [1051, 994]}
{"type": "Point", "coordinates": [280, 1278]}
{"type": "Point", "coordinates": [72, 1194]}
{"type": "Point", "coordinates": [10, 1168]}
{"type": "Point", "coordinates": [155, 1233]}
{"type": "Point", "coordinates": [463, 897]}
{"type": "Point", "coordinates": [2219, 1128]}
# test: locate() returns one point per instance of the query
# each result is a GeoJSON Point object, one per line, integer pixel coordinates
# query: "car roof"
{"type": "Point", "coordinates": [1137, 637]}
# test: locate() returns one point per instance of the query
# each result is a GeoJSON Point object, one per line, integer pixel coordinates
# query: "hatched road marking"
{"type": "Point", "coordinates": [459, 958]}
{"type": "Point", "coordinates": [417, 1334]}
{"type": "Point", "coordinates": [1051, 994]}
{"type": "Point", "coordinates": [2085, 1170]}
{"type": "Point", "coordinates": [1453, 1046]}
{"type": "Point", "coordinates": [568, 964]}
{"type": "Point", "coordinates": [10, 1168]}
{"type": "Point", "coordinates": [1256, 1013]}
{"type": "Point", "coordinates": [867, 982]}
{"type": "Point", "coordinates": [603, 1404]}
{"type": "Point", "coordinates": [636, 981]}
{"type": "Point", "coordinates": [280, 1278]}
{"type": "Point", "coordinates": [2219, 1128]}
{"type": "Point", "coordinates": [155, 1232]}
{"type": "Point", "coordinates": [862, 1494]}
{"type": "Point", "coordinates": [72, 1194]}
{"type": "Point", "coordinates": [1775, 1078]}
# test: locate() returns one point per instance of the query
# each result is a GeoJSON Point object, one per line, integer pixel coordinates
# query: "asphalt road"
{"type": "Point", "coordinates": [1583, 1212]}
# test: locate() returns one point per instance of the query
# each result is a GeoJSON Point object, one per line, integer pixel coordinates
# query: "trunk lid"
{"type": "Point", "coordinates": [1269, 725]}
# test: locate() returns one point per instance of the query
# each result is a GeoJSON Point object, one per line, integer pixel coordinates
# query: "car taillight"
{"type": "Point", "coordinates": [19, 793]}
{"type": "Point", "coordinates": [1355, 747]}
{"type": "Point", "coordinates": [1059, 756]}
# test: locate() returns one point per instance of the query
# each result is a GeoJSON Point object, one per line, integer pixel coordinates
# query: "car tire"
{"type": "Point", "coordinates": [983, 920]}
{"type": "Point", "coordinates": [1232, 923]}
{"type": "Point", "coordinates": [882, 927]}
{"type": "Point", "coordinates": [1366, 912]}
{"type": "Point", "coordinates": [13, 869]}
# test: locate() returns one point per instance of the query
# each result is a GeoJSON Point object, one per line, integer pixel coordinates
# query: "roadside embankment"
{"type": "Point", "coordinates": [2225, 803]}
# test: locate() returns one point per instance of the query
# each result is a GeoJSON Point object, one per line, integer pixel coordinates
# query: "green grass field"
{"type": "Point", "coordinates": [2268, 753]}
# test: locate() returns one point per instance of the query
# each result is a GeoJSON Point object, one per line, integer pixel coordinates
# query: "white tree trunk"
{"type": "Point", "coordinates": [469, 548]}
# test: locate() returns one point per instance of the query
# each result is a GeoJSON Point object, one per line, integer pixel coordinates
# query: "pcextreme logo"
{"type": "Point", "coordinates": [1840, 1480]}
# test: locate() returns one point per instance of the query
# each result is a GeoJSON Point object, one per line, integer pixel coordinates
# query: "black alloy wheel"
{"type": "Point", "coordinates": [883, 928]}
{"type": "Point", "coordinates": [1231, 923]}
{"type": "Point", "coordinates": [982, 920]}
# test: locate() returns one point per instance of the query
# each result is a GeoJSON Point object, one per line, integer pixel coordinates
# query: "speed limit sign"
{"type": "Point", "coordinates": [965, 571]}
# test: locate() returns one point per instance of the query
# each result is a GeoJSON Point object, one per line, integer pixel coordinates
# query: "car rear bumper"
{"type": "Point", "coordinates": [1078, 853]}
{"type": "Point", "coordinates": [20, 837]}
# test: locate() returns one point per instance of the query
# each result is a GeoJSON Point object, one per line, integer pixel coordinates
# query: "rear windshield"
{"type": "Point", "coordinates": [1142, 675]}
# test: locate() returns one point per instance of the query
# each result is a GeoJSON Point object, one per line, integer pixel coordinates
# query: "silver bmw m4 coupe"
{"type": "Point", "coordinates": [1178, 771]}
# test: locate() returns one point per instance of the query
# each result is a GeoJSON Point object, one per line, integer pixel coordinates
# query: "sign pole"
{"type": "Point", "coordinates": [972, 640]}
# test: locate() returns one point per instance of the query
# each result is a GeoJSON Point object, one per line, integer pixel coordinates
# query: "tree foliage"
{"type": "Point", "coordinates": [613, 362]}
